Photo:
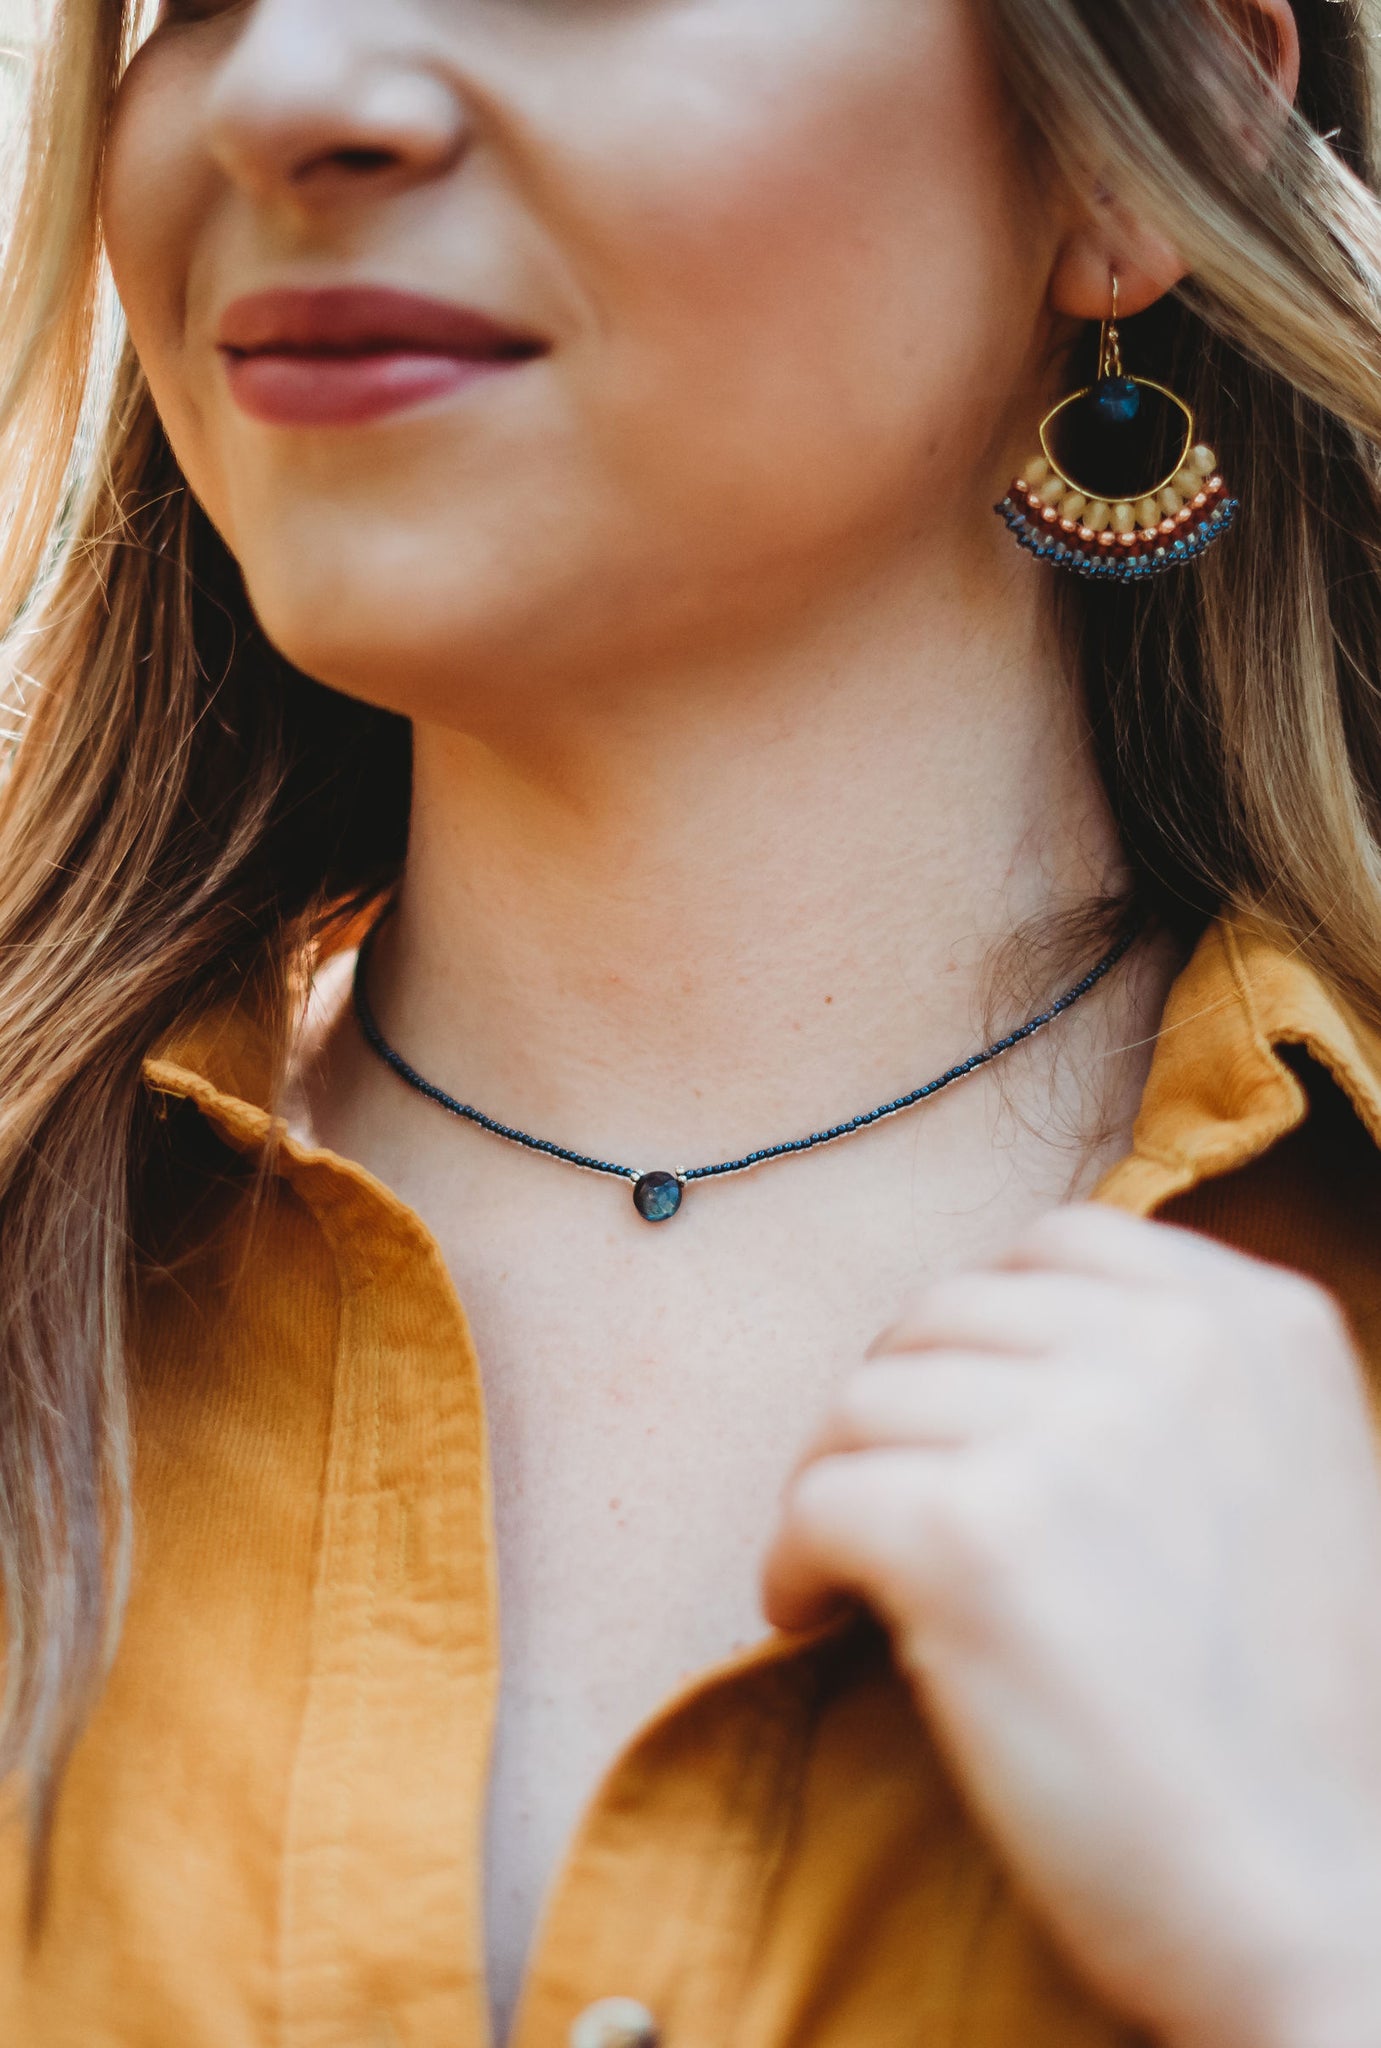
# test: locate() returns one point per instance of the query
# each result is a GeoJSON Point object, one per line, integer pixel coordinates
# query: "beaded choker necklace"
{"type": "Point", "coordinates": [657, 1196]}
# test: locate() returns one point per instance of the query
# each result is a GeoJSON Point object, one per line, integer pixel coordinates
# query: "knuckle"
{"type": "Point", "coordinates": [914, 1305]}
{"type": "Point", "coordinates": [855, 1415]}
{"type": "Point", "coordinates": [1071, 1228]}
{"type": "Point", "coordinates": [925, 1308]}
{"type": "Point", "coordinates": [947, 1307]}
{"type": "Point", "coordinates": [922, 1543]}
{"type": "Point", "coordinates": [1307, 1313]}
{"type": "Point", "coordinates": [971, 1539]}
{"type": "Point", "coordinates": [822, 1498]}
{"type": "Point", "coordinates": [956, 1292]}
{"type": "Point", "coordinates": [1046, 1237]}
{"type": "Point", "coordinates": [898, 1335]}
{"type": "Point", "coordinates": [908, 1332]}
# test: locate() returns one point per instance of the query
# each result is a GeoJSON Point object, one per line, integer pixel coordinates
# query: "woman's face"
{"type": "Point", "coordinates": [760, 285]}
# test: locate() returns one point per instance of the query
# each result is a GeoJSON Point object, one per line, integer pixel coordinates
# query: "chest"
{"type": "Point", "coordinates": [648, 1393]}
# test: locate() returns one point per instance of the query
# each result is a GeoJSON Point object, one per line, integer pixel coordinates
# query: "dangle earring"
{"type": "Point", "coordinates": [1120, 487]}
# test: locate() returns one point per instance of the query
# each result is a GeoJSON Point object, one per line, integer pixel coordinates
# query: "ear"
{"type": "Point", "coordinates": [1109, 237]}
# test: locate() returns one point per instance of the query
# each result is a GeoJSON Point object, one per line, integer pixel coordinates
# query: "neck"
{"type": "Point", "coordinates": [711, 912]}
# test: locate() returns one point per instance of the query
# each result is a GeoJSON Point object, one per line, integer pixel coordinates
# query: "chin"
{"type": "Point", "coordinates": [463, 621]}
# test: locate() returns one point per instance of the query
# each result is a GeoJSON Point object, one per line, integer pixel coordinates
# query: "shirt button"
{"type": "Point", "coordinates": [615, 2023]}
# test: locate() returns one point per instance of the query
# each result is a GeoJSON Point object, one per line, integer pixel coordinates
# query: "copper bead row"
{"type": "Point", "coordinates": [1192, 491]}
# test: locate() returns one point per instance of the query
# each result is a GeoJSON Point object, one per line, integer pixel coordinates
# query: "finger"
{"type": "Point", "coordinates": [1025, 1313]}
{"type": "Point", "coordinates": [1104, 1243]}
{"type": "Point", "coordinates": [850, 1528]}
{"type": "Point", "coordinates": [931, 1401]}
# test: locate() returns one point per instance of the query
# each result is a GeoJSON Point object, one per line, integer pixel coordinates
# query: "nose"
{"type": "Point", "coordinates": [315, 101]}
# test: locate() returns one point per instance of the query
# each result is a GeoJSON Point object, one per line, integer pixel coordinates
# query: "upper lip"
{"type": "Point", "coordinates": [366, 320]}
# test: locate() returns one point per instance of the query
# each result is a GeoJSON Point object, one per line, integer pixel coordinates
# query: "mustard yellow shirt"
{"type": "Point", "coordinates": [271, 1834]}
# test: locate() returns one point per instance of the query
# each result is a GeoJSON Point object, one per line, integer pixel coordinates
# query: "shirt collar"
{"type": "Point", "coordinates": [225, 1064]}
{"type": "Point", "coordinates": [1221, 1090]}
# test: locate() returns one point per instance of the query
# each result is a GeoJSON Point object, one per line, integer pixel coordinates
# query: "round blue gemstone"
{"type": "Point", "coordinates": [657, 1197]}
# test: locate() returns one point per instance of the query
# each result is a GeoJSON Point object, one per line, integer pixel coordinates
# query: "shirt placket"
{"type": "Point", "coordinates": [381, 1912]}
{"type": "Point", "coordinates": [652, 1924]}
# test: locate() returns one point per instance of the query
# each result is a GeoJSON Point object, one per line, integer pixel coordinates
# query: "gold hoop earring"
{"type": "Point", "coordinates": [1121, 487]}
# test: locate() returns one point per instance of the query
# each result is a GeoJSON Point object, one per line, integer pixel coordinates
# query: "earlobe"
{"type": "Point", "coordinates": [1146, 264]}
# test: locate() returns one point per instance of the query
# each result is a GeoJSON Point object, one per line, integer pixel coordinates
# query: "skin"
{"type": "Point", "coordinates": [740, 735]}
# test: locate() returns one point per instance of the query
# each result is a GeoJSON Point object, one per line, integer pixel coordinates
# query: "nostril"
{"type": "Point", "coordinates": [363, 159]}
{"type": "Point", "coordinates": [352, 162]}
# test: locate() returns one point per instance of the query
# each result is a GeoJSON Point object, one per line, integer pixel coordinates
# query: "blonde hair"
{"type": "Point", "coordinates": [185, 814]}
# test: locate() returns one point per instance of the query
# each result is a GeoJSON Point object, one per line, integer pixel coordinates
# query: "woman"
{"type": "Point", "coordinates": [544, 519]}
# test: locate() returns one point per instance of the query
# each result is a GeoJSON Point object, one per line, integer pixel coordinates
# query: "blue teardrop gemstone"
{"type": "Point", "coordinates": [657, 1197]}
{"type": "Point", "coordinates": [1116, 401]}
{"type": "Point", "coordinates": [1118, 440]}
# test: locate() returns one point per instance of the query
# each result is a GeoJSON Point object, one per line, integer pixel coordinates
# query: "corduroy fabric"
{"type": "Point", "coordinates": [270, 1836]}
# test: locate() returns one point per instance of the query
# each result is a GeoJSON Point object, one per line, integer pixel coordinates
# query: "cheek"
{"type": "Point", "coordinates": [155, 194]}
{"type": "Point", "coordinates": [824, 257]}
{"type": "Point", "coordinates": [807, 258]}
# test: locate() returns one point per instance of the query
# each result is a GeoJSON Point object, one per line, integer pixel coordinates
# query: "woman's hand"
{"type": "Point", "coordinates": [1118, 1502]}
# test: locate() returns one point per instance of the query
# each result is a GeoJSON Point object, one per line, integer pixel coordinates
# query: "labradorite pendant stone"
{"type": "Point", "coordinates": [1116, 401]}
{"type": "Point", "coordinates": [657, 1197]}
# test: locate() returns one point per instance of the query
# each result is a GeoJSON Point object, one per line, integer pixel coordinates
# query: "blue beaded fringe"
{"type": "Point", "coordinates": [1034, 535]}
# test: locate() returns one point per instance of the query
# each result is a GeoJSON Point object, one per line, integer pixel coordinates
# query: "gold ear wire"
{"type": "Point", "coordinates": [1109, 342]}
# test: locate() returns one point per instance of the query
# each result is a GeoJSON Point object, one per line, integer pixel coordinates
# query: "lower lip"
{"type": "Point", "coordinates": [344, 391]}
